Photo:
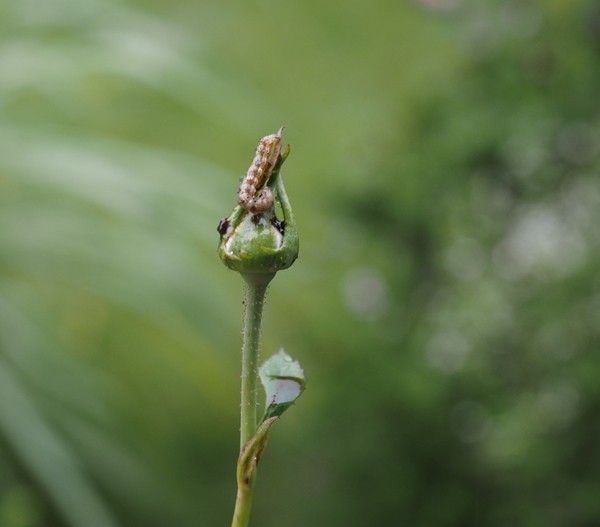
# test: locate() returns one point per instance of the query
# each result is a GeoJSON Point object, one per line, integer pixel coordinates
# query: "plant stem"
{"type": "Point", "coordinates": [256, 288]}
{"type": "Point", "coordinates": [243, 506]}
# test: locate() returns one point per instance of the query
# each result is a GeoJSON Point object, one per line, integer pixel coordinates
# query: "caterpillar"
{"type": "Point", "coordinates": [253, 195]}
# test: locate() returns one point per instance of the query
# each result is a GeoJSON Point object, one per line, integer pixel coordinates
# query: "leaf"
{"type": "Point", "coordinates": [283, 380]}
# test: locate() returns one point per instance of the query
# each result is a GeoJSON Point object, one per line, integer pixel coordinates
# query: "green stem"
{"type": "Point", "coordinates": [243, 506]}
{"type": "Point", "coordinates": [256, 288]}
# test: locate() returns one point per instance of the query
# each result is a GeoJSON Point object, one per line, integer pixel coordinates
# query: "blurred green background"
{"type": "Point", "coordinates": [445, 306]}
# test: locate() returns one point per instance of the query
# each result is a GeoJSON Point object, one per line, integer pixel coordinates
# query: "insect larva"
{"type": "Point", "coordinates": [254, 196]}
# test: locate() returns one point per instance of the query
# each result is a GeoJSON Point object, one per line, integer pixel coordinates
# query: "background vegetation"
{"type": "Point", "coordinates": [446, 304]}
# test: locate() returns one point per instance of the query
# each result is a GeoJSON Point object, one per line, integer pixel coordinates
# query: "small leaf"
{"type": "Point", "coordinates": [283, 380]}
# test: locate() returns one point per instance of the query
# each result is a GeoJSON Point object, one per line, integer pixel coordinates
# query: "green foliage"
{"type": "Point", "coordinates": [445, 179]}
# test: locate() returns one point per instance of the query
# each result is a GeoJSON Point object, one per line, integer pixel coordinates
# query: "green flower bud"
{"type": "Point", "coordinates": [253, 239]}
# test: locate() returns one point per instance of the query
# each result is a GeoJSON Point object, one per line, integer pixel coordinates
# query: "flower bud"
{"type": "Point", "coordinates": [253, 239]}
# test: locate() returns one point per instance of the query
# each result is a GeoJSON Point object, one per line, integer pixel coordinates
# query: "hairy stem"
{"type": "Point", "coordinates": [256, 288]}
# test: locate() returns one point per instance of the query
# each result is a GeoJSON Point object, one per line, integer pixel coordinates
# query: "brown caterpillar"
{"type": "Point", "coordinates": [254, 196]}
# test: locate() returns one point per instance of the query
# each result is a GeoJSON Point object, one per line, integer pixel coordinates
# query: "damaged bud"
{"type": "Point", "coordinates": [253, 239]}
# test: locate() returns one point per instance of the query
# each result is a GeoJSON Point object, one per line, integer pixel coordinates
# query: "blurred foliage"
{"type": "Point", "coordinates": [445, 306]}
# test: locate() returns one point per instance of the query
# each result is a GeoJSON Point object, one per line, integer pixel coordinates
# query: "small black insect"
{"type": "Point", "coordinates": [279, 225]}
{"type": "Point", "coordinates": [223, 226]}
{"type": "Point", "coordinates": [256, 218]}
